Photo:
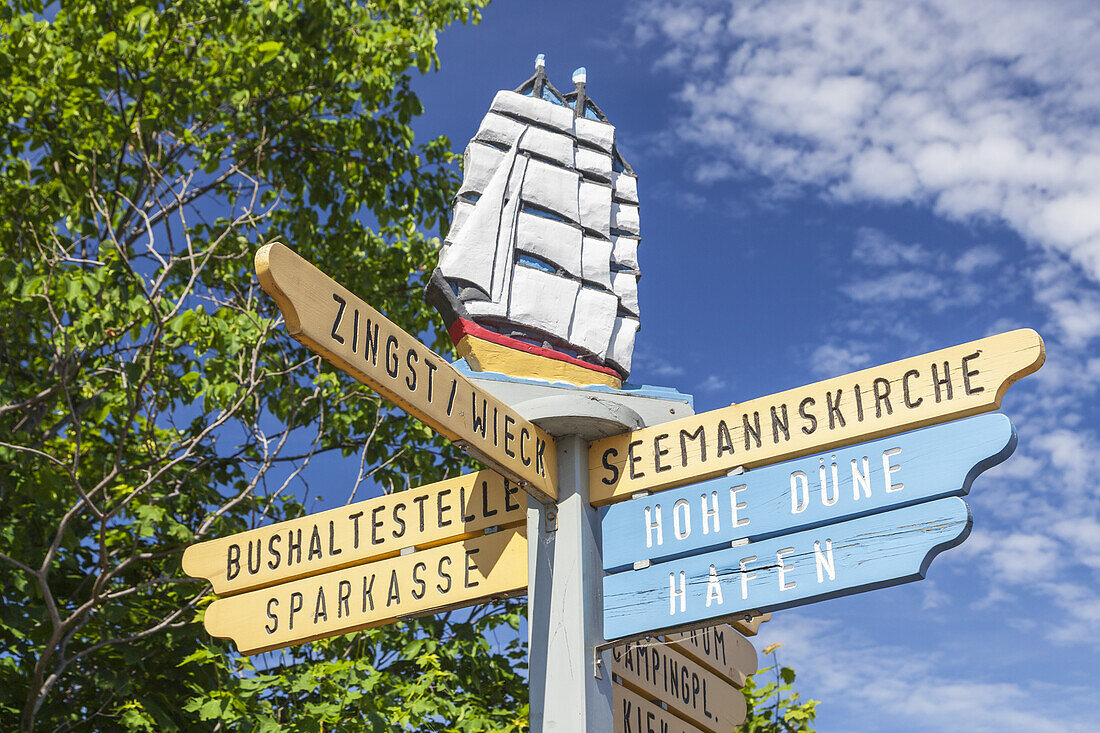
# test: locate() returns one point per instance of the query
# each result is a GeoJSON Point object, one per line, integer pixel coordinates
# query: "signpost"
{"type": "Point", "coordinates": [338, 602]}
{"type": "Point", "coordinates": [331, 321]}
{"type": "Point", "coordinates": [952, 383]}
{"type": "Point", "coordinates": [829, 489]}
{"type": "Point", "coordinates": [690, 690]}
{"type": "Point", "coordinates": [786, 571]}
{"type": "Point", "coordinates": [374, 529]}
{"type": "Point", "coordinates": [849, 482]}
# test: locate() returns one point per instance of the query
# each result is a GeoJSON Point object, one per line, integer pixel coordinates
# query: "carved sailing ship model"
{"type": "Point", "coordinates": [538, 276]}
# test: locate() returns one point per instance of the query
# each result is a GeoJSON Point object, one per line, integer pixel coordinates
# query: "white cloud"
{"type": "Point", "coordinates": [865, 685]}
{"type": "Point", "coordinates": [713, 383]}
{"type": "Point", "coordinates": [981, 110]}
{"type": "Point", "coordinates": [830, 360]}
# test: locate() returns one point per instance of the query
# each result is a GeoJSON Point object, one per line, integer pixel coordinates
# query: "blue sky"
{"type": "Point", "coordinates": [831, 185]}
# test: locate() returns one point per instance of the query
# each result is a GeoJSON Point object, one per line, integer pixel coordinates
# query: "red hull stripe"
{"type": "Point", "coordinates": [462, 327]}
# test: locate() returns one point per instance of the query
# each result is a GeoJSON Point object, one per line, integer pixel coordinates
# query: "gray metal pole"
{"type": "Point", "coordinates": [570, 693]}
{"type": "Point", "coordinates": [565, 608]}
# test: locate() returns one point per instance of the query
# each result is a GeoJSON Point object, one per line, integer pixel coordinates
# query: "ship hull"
{"type": "Point", "coordinates": [488, 351]}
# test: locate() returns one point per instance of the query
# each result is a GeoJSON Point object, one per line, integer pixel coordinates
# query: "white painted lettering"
{"type": "Point", "coordinates": [714, 589]}
{"type": "Point", "coordinates": [783, 568]}
{"type": "Point", "coordinates": [746, 576]}
{"type": "Point", "coordinates": [800, 492]}
{"type": "Point", "coordinates": [737, 505]}
{"type": "Point", "coordinates": [673, 593]}
{"type": "Point", "coordinates": [861, 479]}
{"type": "Point", "coordinates": [824, 561]}
{"type": "Point", "coordinates": [711, 513]}
{"type": "Point", "coordinates": [653, 525]}
{"type": "Point", "coordinates": [681, 508]}
{"type": "Point", "coordinates": [891, 469]}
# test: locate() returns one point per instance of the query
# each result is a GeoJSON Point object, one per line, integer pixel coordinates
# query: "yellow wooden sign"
{"type": "Point", "coordinates": [632, 713]}
{"type": "Point", "coordinates": [427, 581]}
{"type": "Point", "coordinates": [751, 625]}
{"type": "Point", "coordinates": [904, 395]}
{"type": "Point", "coordinates": [354, 534]}
{"type": "Point", "coordinates": [720, 649]}
{"type": "Point", "coordinates": [331, 321]}
{"type": "Point", "coordinates": [691, 691]}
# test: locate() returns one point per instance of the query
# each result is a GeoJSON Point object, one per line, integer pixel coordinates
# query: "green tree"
{"type": "Point", "coordinates": [149, 397]}
{"type": "Point", "coordinates": [774, 706]}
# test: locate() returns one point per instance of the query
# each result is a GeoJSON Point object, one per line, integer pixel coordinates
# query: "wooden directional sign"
{"type": "Point", "coordinates": [782, 572]}
{"type": "Point", "coordinates": [808, 492]}
{"type": "Point", "coordinates": [338, 602]}
{"type": "Point", "coordinates": [331, 321]}
{"type": "Point", "coordinates": [351, 535]}
{"type": "Point", "coordinates": [689, 689]}
{"type": "Point", "coordinates": [749, 624]}
{"type": "Point", "coordinates": [719, 648]}
{"type": "Point", "coordinates": [923, 390]}
{"type": "Point", "coordinates": [634, 714]}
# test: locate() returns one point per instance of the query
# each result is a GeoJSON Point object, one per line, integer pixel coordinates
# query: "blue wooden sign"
{"type": "Point", "coordinates": [809, 492]}
{"type": "Point", "coordinates": [782, 572]}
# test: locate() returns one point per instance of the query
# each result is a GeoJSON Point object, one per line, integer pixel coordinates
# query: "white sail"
{"type": "Point", "coordinates": [544, 241]}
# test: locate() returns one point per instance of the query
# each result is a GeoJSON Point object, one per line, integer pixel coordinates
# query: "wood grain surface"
{"type": "Point", "coordinates": [427, 581]}
{"type": "Point", "coordinates": [351, 535]}
{"type": "Point", "coordinates": [948, 384]}
{"type": "Point", "coordinates": [333, 322]}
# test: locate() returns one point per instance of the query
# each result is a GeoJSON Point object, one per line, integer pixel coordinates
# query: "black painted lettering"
{"type": "Point", "coordinates": [420, 501]}
{"type": "Point", "coordinates": [967, 374]}
{"type": "Point", "coordinates": [400, 531]}
{"type": "Point", "coordinates": [421, 587]}
{"type": "Point", "coordinates": [343, 599]}
{"type": "Point", "coordinates": [509, 436]}
{"type": "Point", "coordinates": [370, 344]}
{"type": "Point", "coordinates": [780, 424]}
{"type": "Point", "coordinates": [441, 507]}
{"type": "Point", "coordinates": [391, 356]}
{"type": "Point", "coordinates": [431, 371]}
{"type": "Point", "coordinates": [394, 594]}
{"type": "Point", "coordinates": [752, 430]}
{"type": "Point", "coordinates": [451, 399]}
{"type": "Point", "coordinates": [252, 570]}
{"type": "Point", "coordinates": [293, 546]}
{"type": "Point", "coordinates": [471, 567]}
{"type": "Point", "coordinates": [273, 562]}
{"type": "Point", "coordinates": [339, 314]}
{"type": "Point", "coordinates": [410, 381]}
{"type": "Point", "coordinates": [607, 456]}
{"type": "Point", "coordinates": [945, 382]}
{"type": "Point", "coordinates": [271, 629]}
{"type": "Point", "coordinates": [805, 414]}
{"type": "Point", "coordinates": [882, 396]}
{"type": "Point", "coordinates": [699, 435]}
{"type": "Point", "coordinates": [859, 404]}
{"type": "Point", "coordinates": [905, 393]}
{"type": "Point", "coordinates": [510, 490]}
{"type": "Point", "coordinates": [320, 609]}
{"type": "Point", "coordinates": [725, 441]}
{"type": "Point", "coordinates": [633, 460]}
{"type": "Point", "coordinates": [297, 600]}
{"type": "Point", "coordinates": [315, 545]}
{"type": "Point", "coordinates": [355, 529]}
{"type": "Point", "coordinates": [462, 505]}
{"type": "Point", "coordinates": [444, 574]}
{"type": "Point", "coordinates": [232, 561]}
{"type": "Point", "coordinates": [833, 409]}
{"type": "Point", "coordinates": [485, 510]}
{"type": "Point", "coordinates": [479, 423]}
{"type": "Point", "coordinates": [658, 452]}
{"type": "Point", "coordinates": [375, 525]}
{"type": "Point", "coordinates": [524, 439]}
{"type": "Point", "coordinates": [540, 450]}
{"type": "Point", "coordinates": [332, 548]}
{"type": "Point", "coordinates": [368, 593]}
{"type": "Point", "coordinates": [355, 331]}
